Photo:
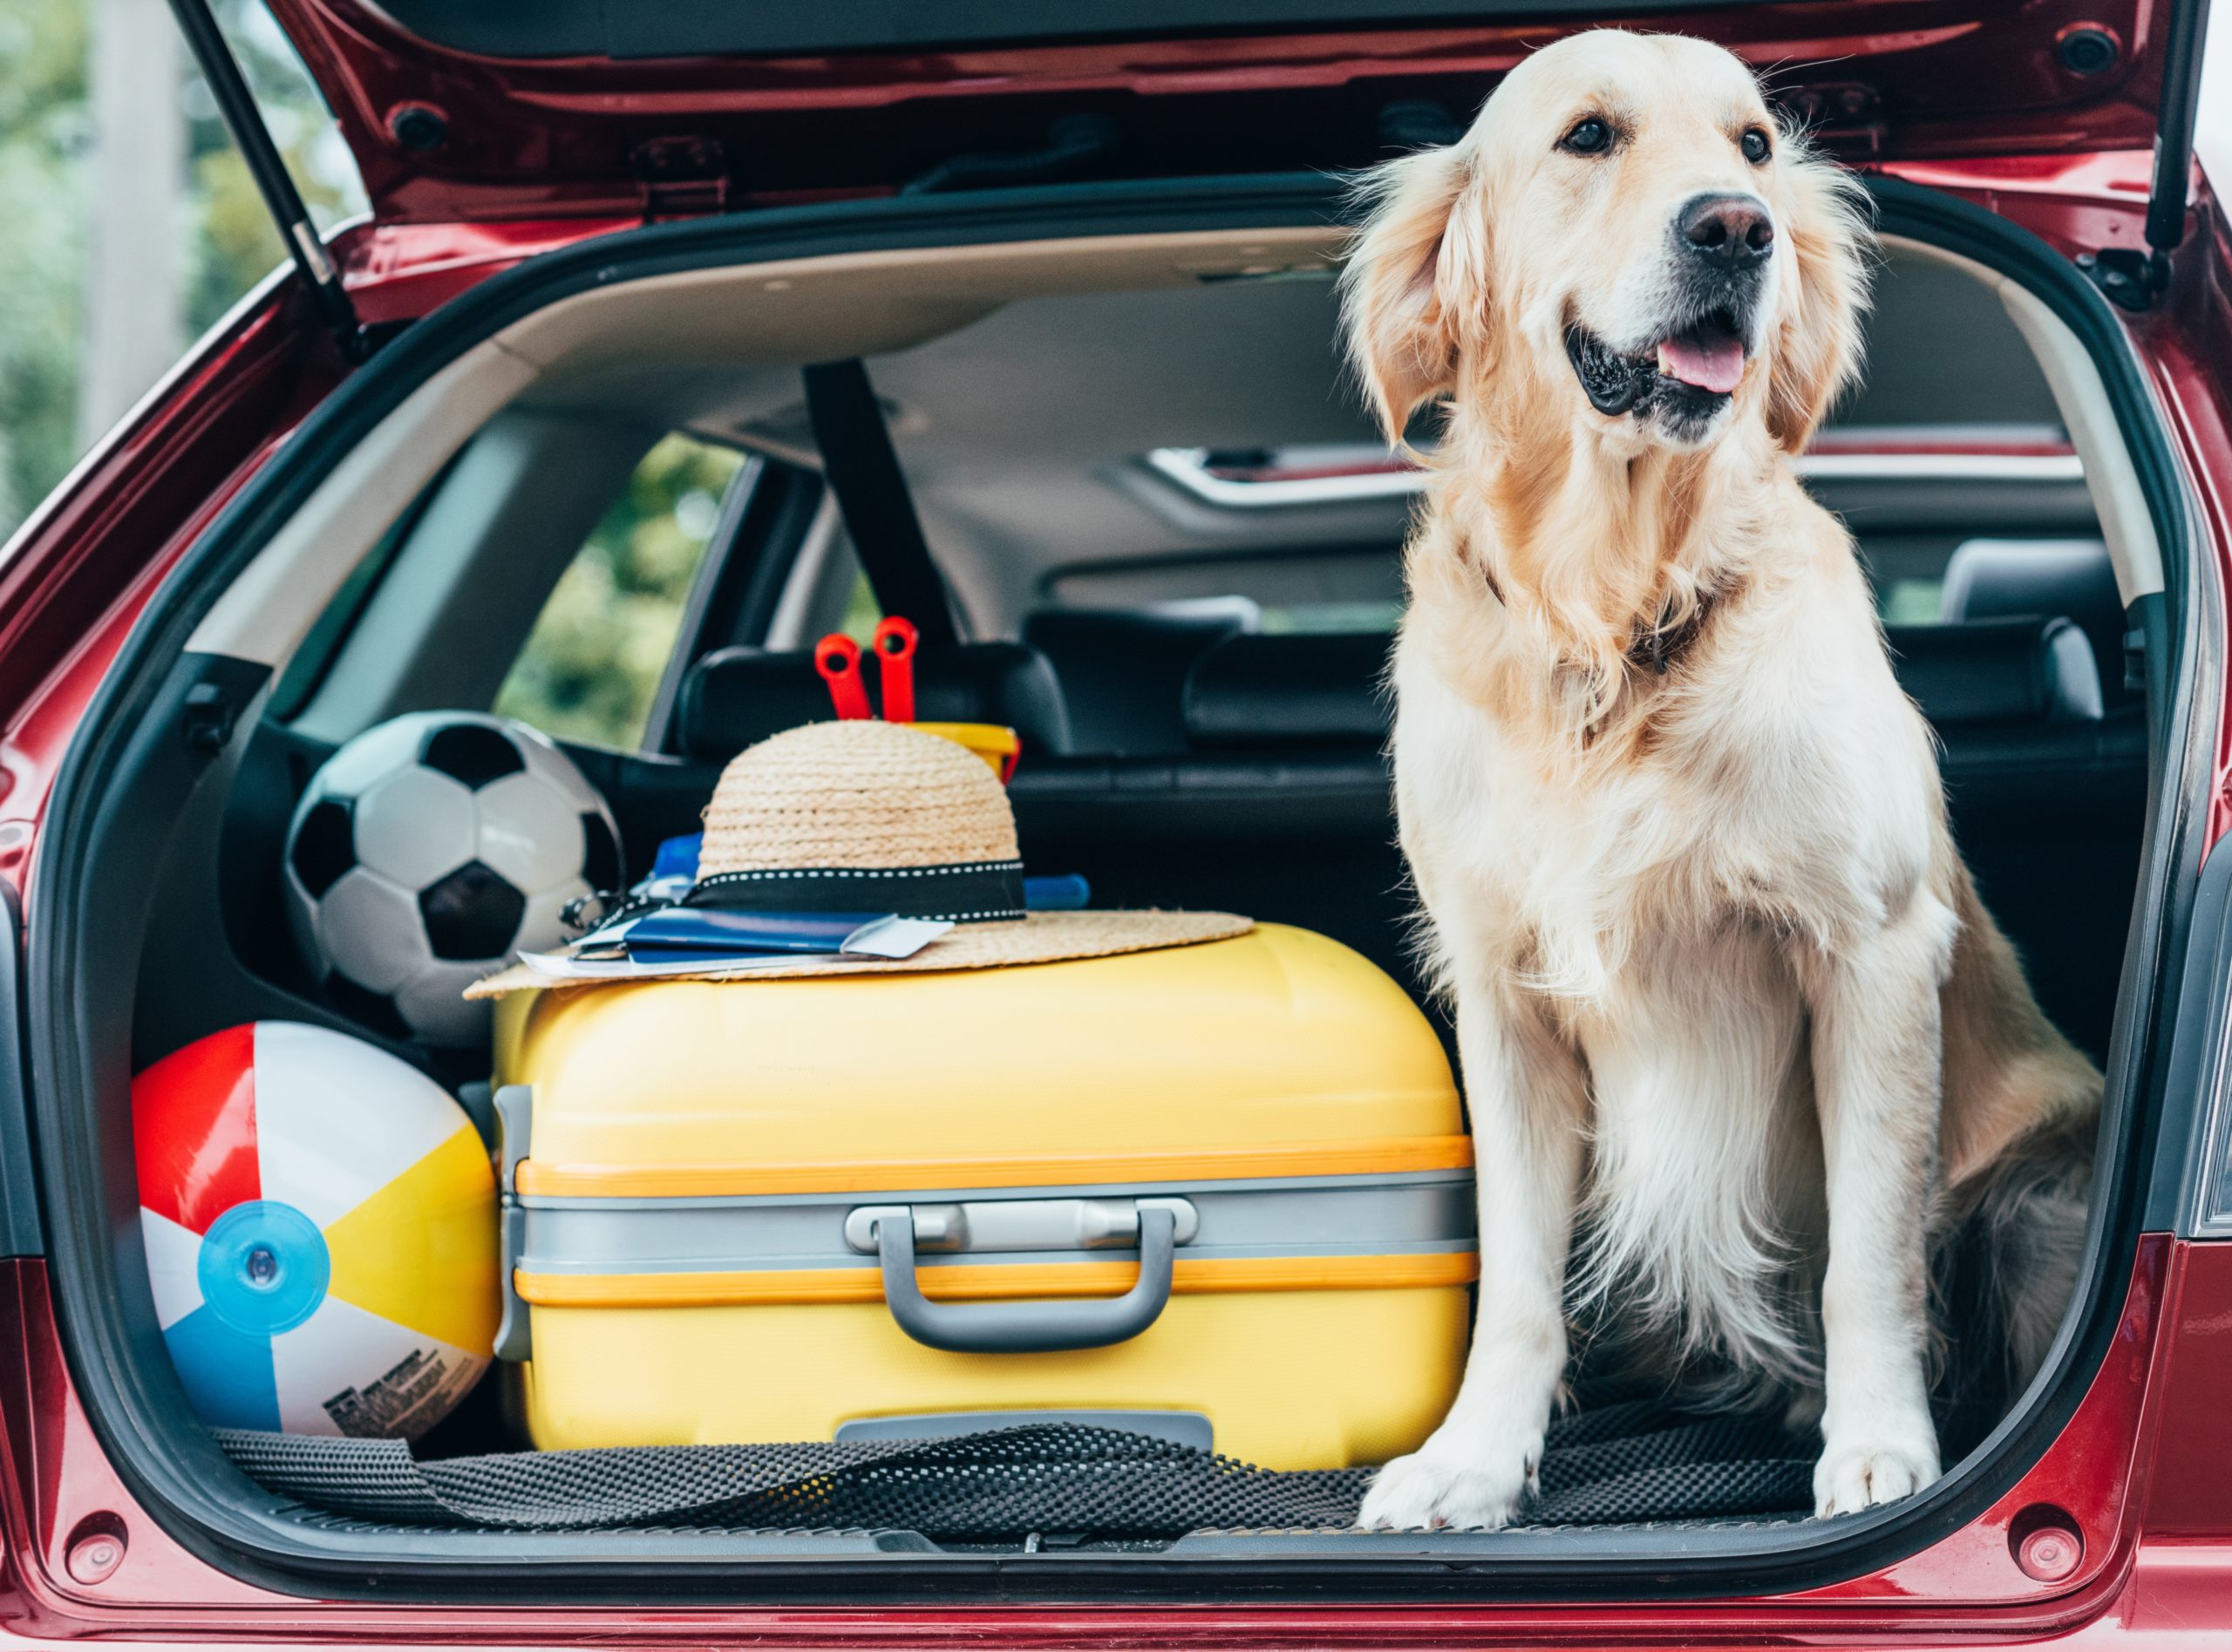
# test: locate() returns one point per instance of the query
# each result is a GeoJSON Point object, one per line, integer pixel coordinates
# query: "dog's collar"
{"type": "Point", "coordinates": [1661, 646]}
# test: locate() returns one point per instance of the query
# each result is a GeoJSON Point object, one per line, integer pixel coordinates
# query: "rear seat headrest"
{"type": "Point", "coordinates": [1123, 671]}
{"type": "Point", "coordinates": [1291, 689]}
{"type": "Point", "coordinates": [1993, 579]}
{"type": "Point", "coordinates": [737, 695]}
{"type": "Point", "coordinates": [2011, 670]}
{"type": "Point", "coordinates": [1988, 579]}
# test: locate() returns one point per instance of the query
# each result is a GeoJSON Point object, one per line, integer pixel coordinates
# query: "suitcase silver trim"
{"type": "Point", "coordinates": [1021, 1224]}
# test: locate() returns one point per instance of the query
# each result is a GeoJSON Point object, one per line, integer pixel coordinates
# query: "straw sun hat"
{"type": "Point", "coordinates": [863, 816]}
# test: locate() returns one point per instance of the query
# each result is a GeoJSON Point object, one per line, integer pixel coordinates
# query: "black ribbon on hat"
{"type": "Point", "coordinates": [959, 891]}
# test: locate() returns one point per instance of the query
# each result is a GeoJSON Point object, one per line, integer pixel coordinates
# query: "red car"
{"type": "Point", "coordinates": [1084, 251]}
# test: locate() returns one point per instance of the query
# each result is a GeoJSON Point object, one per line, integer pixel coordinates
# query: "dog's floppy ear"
{"type": "Point", "coordinates": [1818, 342]}
{"type": "Point", "coordinates": [1408, 283]}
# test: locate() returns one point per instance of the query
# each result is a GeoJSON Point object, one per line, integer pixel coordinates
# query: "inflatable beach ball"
{"type": "Point", "coordinates": [320, 1219]}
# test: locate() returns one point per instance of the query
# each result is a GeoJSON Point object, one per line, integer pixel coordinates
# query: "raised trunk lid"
{"type": "Point", "coordinates": [495, 108]}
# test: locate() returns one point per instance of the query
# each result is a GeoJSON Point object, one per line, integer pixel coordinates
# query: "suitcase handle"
{"type": "Point", "coordinates": [1026, 1328]}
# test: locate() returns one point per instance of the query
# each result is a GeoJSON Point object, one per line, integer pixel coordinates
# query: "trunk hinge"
{"type": "Point", "coordinates": [2129, 275]}
{"type": "Point", "coordinates": [237, 105]}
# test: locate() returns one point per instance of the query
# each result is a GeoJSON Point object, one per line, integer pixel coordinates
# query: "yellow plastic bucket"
{"type": "Point", "coordinates": [997, 745]}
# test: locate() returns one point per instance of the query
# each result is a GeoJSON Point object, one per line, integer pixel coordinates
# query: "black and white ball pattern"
{"type": "Point", "coordinates": [426, 852]}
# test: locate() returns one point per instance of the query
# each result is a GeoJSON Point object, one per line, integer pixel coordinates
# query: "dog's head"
{"type": "Point", "coordinates": [1625, 231]}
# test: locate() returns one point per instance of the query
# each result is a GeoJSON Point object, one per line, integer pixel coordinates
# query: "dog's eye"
{"type": "Point", "coordinates": [1590, 137]}
{"type": "Point", "coordinates": [1756, 147]}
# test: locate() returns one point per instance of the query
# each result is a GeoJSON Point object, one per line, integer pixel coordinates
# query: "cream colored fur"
{"type": "Point", "coordinates": [1726, 1002]}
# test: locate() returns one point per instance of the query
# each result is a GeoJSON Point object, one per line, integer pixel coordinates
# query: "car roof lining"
{"type": "Point", "coordinates": [933, 318]}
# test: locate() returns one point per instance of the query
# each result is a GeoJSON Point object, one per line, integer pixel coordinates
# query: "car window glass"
{"type": "Point", "coordinates": [862, 612]}
{"type": "Point", "coordinates": [591, 666]}
{"type": "Point", "coordinates": [1349, 589]}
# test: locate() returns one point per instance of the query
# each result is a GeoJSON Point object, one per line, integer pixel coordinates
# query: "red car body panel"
{"type": "Point", "coordinates": [74, 578]}
{"type": "Point", "coordinates": [2171, 1356]}
{"type": "Point", "coordinates": [2143, 1469]}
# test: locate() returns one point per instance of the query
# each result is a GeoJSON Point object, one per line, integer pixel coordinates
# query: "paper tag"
{"type": "Point", "coordinates": [895, 937]}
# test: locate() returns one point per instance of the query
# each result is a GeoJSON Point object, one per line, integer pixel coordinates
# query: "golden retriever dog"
{"type": "Point", "coordinates": [1742, 1049]}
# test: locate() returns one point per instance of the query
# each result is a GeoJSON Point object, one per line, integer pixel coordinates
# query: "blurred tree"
{"type": "Point", "coordinates": [229, 242]}
{"type": "Point", "coordinates": [592, 664]}
{"type": "Point", "coordinates": [234, 242]}
{"type": "Point", "coordinates": [42, 144]}
{"type": "Point", "coordinates": [133, 186]}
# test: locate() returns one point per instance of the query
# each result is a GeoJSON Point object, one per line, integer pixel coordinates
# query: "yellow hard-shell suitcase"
{"type": "Point", "coordinates": [1221, 1192]}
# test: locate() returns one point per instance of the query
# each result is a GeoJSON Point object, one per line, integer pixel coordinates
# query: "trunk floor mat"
{"type": "Point", "coordinates": [1627, 1462]}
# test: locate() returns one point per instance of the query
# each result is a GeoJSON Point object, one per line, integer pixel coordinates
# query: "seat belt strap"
{"type": "Point", "coordinates": [862, 471]}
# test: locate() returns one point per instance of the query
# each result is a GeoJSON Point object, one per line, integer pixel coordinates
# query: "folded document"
{"type": "Point", "coordinates": [691, 940]}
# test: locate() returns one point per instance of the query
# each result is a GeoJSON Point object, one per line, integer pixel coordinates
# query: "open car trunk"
{"type": "Point", "coordinates": [346, 585]}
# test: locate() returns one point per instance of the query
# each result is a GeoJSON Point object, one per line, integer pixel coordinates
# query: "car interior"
{"type": "Point", "coordinates": [1190, 639]}
{"type": "Point", "coordinates": [1168, 542]}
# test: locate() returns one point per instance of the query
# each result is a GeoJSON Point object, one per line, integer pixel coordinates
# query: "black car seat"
{"type": "Point", "coordinates": [1280, 806]}
{"type": "Point", "coordinates": [1123, 671]}
{"type": "Point", "coordinates": [1275, 801]}
{"type": "Point", "coordinates": [1992, 579]}
{"type": "Point", "coordinates": [2021, 670]}
{"type": "Point", "coordinates": [736, 695]}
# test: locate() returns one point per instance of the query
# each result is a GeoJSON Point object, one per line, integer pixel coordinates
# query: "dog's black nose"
{"type": "Point", "coordinates": [1729, 232]}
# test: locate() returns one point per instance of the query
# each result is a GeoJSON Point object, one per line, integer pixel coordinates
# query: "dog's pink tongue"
{"type": "Point", "coordinates": [1718, 366]}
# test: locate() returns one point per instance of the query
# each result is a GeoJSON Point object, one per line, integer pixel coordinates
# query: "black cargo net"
{"type": "Point", "coordinates": [1622, 1463]}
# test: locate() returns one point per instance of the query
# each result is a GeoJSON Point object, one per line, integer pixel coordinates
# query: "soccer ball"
{"type": "Point", "coordinates": [428, 850]}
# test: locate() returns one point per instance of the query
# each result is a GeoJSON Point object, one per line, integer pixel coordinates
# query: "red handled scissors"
{"type": "Point", "coordinates": [893, 643]}
{"type": "Point", "coordinates": [837, 659]}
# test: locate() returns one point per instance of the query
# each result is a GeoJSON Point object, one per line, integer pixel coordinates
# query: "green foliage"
{"type": "Point", "coordinates": [1910, 601]}
{"type": "Point", "coordinates": [228, 240]}
{"type": "Point", "coordinates": [232, 242]}
{"type": "Point", "coordinates": [862, 613]}
{"type": "Point", "coordinates": [592, 664]}
{"type": "Point", "coordinates": [42, 238]}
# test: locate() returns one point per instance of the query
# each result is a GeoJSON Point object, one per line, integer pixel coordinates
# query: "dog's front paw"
{"type": "Point", "coordinates": [1445, 1484]}
{"type": "Point", "coordinates": [1860, 1475]}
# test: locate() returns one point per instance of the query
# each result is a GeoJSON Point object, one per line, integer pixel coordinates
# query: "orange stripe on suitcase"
{"type": "Point", "coordinates": [1014, 1280]}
